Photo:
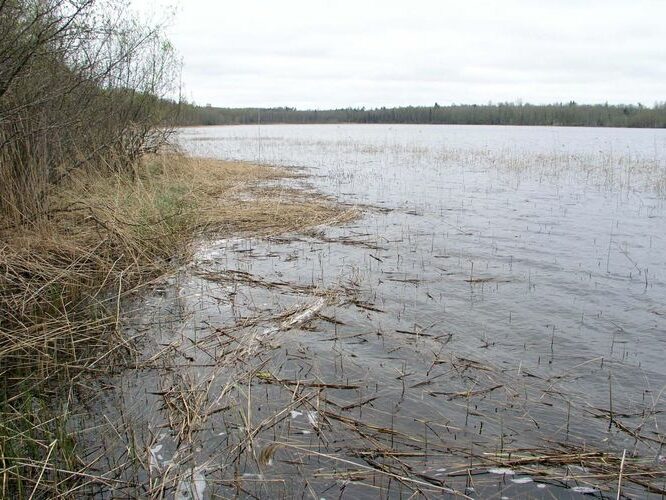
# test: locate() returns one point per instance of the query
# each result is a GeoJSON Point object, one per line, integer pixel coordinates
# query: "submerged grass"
{"type": "Point", "coordinates": [65, 275]}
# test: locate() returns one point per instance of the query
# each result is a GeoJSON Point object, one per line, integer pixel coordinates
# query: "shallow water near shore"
{"type": "Point", "coordinates": [492, 326]}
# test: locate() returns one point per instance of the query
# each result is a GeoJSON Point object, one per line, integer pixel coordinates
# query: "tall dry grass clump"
{"type": "Point", "coordinates": [66, 277]}
{"type": "Point", "coordinates": [63, 279]}
{"type": "Point", "coordinates": [81, 83]}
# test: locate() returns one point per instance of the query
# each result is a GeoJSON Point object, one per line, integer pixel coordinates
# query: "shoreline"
{"type": "Point", "coordinates": [70, 274]}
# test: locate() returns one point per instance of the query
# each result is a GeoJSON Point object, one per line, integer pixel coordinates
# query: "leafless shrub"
{"type": "Point", "coordinates": [81, 83]}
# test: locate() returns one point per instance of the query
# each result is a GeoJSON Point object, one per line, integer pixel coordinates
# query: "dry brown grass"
{"type": "Point", "coordinates": [64, 277]}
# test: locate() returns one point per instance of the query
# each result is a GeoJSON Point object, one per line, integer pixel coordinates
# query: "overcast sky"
{"type": "Point", "coordinates": [327, 54]}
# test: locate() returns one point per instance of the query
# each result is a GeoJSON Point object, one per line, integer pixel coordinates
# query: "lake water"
{"type": "Point", "coordinates": [502, 299]}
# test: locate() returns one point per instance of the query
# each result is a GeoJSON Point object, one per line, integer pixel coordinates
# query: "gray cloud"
{"type": "Point", "coordinates": [325, 53]}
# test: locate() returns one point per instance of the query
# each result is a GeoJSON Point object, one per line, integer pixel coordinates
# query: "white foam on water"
{"type": "Point", "coordinates": [522, 480]}
{"type": "Point", "coordinates": [586, 490]}
{"type": "Point", "coordinates": [312, 418]}
{"type": "Point", "coordinates": [251, 475]}
{"type": "Point", "coordinates": [502, 470]}
{"type": "Point", "coordinates": [295, 414]}
{"type": "Point", "coordinates": [155, 457]}
{"type": "Point", "coordinates": [192, 486]}
{"type": "Point", "coordinates": [578, 468]}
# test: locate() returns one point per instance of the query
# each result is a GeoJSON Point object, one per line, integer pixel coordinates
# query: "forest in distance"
{"type": "Point", "coordinates": [563, 114]}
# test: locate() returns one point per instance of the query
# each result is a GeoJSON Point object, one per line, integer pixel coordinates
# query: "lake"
{"type": "Point", "coordinates": [492, 325]}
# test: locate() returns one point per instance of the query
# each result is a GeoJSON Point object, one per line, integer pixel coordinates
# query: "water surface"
{"type": "Point", "coordinates": [498, 310]}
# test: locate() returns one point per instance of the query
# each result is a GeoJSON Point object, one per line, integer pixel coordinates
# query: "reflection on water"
{"type": "Point", "coordinates": [493, 326]}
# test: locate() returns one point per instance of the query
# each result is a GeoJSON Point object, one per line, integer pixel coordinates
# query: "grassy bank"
{"type": "Point", "coordinates": [65, 277]}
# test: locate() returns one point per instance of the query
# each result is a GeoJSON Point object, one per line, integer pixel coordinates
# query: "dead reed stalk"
{"type": "Point", "coordinates": [65, 277]}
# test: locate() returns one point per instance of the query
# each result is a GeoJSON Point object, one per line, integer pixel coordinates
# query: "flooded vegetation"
{"type": "Point", "coordinates": [348, 290]}
{"type": "Point", "coordinates": [491, 326]}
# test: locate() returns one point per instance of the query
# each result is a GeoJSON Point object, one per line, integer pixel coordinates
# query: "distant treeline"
{"type": "Point", "coordinates": [565, 114]}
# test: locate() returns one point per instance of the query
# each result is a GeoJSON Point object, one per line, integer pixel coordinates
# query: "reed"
{"type": "Point", "coordinates": [66, 277]}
